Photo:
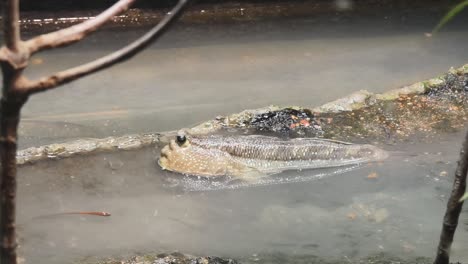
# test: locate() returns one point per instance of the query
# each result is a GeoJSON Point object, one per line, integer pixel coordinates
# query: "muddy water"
{"type": "Point", "coordinates": [197, 72]}
{"type": "Point", "coordinates": [200, 71]}
{"type": "Point", "coordinates": [393, 207]}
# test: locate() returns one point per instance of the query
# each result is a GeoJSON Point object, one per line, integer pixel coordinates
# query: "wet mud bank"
{"type": "Point", "coordinates": [423, 109]}
{"type": "Point", "coordinates": [418, 111]}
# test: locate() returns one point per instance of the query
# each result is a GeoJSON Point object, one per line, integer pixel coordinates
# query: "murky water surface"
{"type": "Point", "coordinates": [395, 206]}
{"type": "Point", "coordinates": [198, 72]}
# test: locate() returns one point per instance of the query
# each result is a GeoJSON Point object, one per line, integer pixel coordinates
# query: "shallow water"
{"type": "Point", "coordinates": [345, 215]}
{"type": "Point", "coordinates": [200, 71]}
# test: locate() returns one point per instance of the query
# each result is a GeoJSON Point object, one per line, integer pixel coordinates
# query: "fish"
{"type": "Point", "coordinates": [252, 156]}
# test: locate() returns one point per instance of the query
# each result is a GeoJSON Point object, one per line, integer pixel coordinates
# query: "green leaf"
{"type": "Point", "coordinates": [450, 15]}
{"type": "Point", "coordinates": [464, 197]}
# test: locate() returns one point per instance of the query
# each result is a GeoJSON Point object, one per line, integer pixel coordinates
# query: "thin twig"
{"type": "Point", "coordinates": [11, 24]}
{"type": "Point", "coordinates": [125, 53]}
{"type": "Point", "coordinates": [454, 207]}
{"type": "Point", "coordinates": [77, 32]}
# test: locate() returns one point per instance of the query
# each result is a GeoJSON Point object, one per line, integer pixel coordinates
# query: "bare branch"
{"type": "Point", "coordinates": [454, 207]}
{"type": "Point", "coordinates": [9, 119]}
{"type": "Point", "coordinates": [11, 24]}
{"type": "Point", "coordinates": [121, 55]}
{"type": "Point", "coordinates": [77, 32]}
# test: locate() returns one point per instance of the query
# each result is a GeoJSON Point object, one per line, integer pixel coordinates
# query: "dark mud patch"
{"type": "Point", "coordinates": [287, 122]}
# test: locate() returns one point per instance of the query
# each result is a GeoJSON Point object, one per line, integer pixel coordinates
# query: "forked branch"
{"type": "Point", "coordinates": [127, 52]}
{"type": "Point", "coordinates": [77, 32]}
{"type": "Point", "coordinates": [16, 90]}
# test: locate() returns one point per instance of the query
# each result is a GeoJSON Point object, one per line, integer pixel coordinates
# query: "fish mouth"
{"type": "Point", "coordinates": [164, 157]}
{"type": "Point", "coordinates": [162, 162]}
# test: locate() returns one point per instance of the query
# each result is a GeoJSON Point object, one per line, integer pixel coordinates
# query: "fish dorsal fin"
{"type": "Point", "coordinates": [321, 139]}
{"type": "Point", "coordinates": [317, 139]}
{"type": "Point", "coordinates": [333, 140]}
{"type": "Point", "coordinates": [261, 136]}
{"type": "Point", "coordinates": [305, 139]}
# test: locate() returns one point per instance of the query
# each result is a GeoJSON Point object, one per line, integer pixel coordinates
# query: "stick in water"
{"type": "Point", "coordinates": [86, 213]}
{"type": "Point", "coordinates": [76, 213]}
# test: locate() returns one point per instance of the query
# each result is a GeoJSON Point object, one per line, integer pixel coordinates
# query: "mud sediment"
{"type": "Point", "coordinates": [424, 108]}
{"type": "Point", "coordinates": [420, 110]}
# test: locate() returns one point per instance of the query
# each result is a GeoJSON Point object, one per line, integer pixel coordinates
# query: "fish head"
{"type": "Point", "coordinates": [177, 149]}
{"type": "Point", "coordinates": [181, 156]}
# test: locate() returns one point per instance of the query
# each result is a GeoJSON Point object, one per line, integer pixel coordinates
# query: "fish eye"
{"type": "Point", "coordinates": [181, 139]}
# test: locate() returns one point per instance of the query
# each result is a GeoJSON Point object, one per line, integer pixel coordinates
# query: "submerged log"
{"type": "Point", "coordinates": [422, 109]}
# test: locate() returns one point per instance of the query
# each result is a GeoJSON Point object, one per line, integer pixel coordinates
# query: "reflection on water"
{"type": "Point", "coordinates": [197, 184]}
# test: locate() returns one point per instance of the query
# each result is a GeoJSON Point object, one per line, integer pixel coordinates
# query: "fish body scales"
{"type": "Point", "coordinates": [268, 148]}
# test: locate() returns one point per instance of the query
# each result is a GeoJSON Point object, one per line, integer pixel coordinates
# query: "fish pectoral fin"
{"type": "Point", "coordinates": [252, 175]}
{"type": "Point", "coordinates": [247, 175]}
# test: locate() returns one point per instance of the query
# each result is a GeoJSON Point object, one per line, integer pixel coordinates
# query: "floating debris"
{"type": "Point", "coordinates": [380, 215]}
{"type": "Point", "coordinates": [351, 216]}
{"type": "Point", "coordinates": [372, 175]}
